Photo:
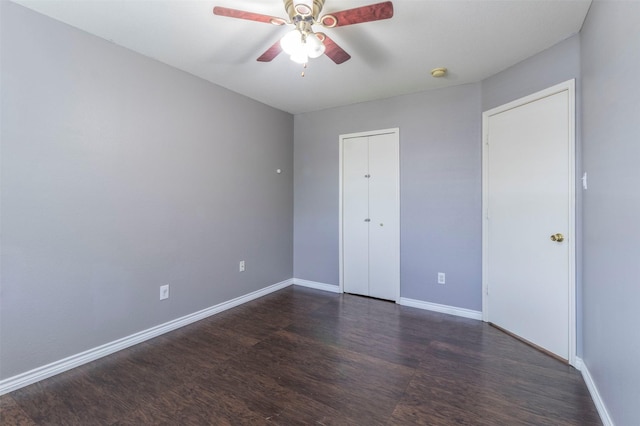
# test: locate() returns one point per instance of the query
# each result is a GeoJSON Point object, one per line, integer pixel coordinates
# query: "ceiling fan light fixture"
{"type": "Point", "coordinates": [301, 46]}
{"type": "Point", "coordinates": [314, 47]}
{"type": "Point", "coordinates": [292, 42]}
{"type": "Point", "coordinates": [303, 43]}
{"type": "Point", "coordinates": [299, 57]}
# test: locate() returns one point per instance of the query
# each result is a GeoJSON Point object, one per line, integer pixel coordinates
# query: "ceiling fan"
{"type": "Point", "coordinates": [302, 42]}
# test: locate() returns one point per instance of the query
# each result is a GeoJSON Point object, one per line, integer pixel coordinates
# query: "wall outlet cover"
{"type": "Point", "coordinates": [164, 292]}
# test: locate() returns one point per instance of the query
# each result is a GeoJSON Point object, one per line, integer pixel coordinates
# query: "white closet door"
{"type": "Point", "coordinates": [384, 228]}
{"type": "Point", "coordinates": [355, 210]}
{"type": "Point", "coordinates": [370, 227]}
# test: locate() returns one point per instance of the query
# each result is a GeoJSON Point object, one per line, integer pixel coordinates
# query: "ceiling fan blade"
{"type": "Point", "coordinates": [250, 16]}
{"type": "Point", "coordinates": [335, 52]}
{"type": "Point", "coordinates": [271, 53]}
{"type": "Point", "coordinates": [372, 12]}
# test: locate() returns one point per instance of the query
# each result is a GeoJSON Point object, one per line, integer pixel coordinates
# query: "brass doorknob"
{"type": "Point", "coordinates": [558, 238]}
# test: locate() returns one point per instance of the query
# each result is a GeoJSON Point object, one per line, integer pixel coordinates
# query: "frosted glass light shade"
{"type": "Point", "coordinates": [292, 42]}
{"type": "Point", "coordinates": [314, 46]}
{"type": "Point", "coordinates": [301, 47]}
{"type": "Point", "coordinates": [299, 57]}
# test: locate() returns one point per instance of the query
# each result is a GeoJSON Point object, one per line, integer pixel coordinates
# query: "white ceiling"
{"type": "Point", "coordinates": [474, 39]}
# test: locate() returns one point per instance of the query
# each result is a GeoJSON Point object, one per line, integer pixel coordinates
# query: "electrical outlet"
{"type": "Point", "coordinates": [164, 292]}
{"type": "Point", "coordinates": [441, 278]}
{"type": "Point", "coordinates": [241, 266]}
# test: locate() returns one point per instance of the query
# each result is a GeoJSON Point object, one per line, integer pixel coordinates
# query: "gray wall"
{"type": "Point", "coordinates": [440, 191]}
{"type": "Point", "coordinates": [120, 174]}
{"type": "Point", "coordinates": [611, 143]}
{"type": "Point", "coordinates": [552, 66]}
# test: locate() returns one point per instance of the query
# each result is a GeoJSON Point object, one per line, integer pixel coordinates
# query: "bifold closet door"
{"type": "Point", "coordinates": [384, 227]}
{"type": "Point", "coordinates": [370, 216]}
{"type": "Point", "coordinates": [355, 207]}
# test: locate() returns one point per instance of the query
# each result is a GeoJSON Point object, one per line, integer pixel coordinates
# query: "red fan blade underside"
{"type": "Point", "coordinates": [250, 16]}
{"type": "Point", "coordinates": [271, 52]}
{"type": "Point", "coordinates": [335, 52]}
{"type": "Point", "coordinates": [372, 12]}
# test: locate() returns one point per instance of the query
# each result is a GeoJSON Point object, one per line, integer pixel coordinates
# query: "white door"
{"type": "Point", "coordinates": [528, 228]}
{"type": "Point", "coordinates": [355, 207]}
{"type": "Point", "coordinates": [384, 225]}
{"type": "Point", "coordinates": [370, 219]}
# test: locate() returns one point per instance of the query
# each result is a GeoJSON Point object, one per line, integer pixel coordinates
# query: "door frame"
{"type": "Point", "coordinates": [341, 141]}
{"type": "Point", "coordinates": [569, 87]}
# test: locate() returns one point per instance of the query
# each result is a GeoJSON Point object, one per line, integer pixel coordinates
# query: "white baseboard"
{"type": "Point", "coordinates": [579, 364]}
{"type": "Point", "coordinates": [445, 309]}
{"type": "Point", "coordinates": [316, 285]}
{"type": "Point", "coordinates": [24, 379]}
{"type": "Point", "coordinates": [595, 395]}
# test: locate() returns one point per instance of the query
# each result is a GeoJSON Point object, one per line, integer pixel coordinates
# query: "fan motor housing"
{"type": "Point", "coordinates": [296, 8]}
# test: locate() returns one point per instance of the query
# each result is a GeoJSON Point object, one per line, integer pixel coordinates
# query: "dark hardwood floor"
{"type": "Point", "coordinates": [302, 356]}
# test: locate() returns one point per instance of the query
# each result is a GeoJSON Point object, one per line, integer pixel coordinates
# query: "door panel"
{"type": "Point", "coordinates": [383, 209]}
{"type": "Point", "coordinates": [528, 201]}
{"type": "Point", "coordinates": [355, 209]}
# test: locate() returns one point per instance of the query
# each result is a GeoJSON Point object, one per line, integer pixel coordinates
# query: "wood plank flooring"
{"type": "Point", "coordinates": [301, 356]}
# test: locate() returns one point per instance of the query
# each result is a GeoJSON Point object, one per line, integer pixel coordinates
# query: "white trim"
{"type": "Point", "coordinates": [341, 139]}
{"type": "Point", "coordinates": [485, 216]}
{"type": "Point", "coordinates": [579, 365]}
{"type": "Point", "coordinates": [340, 248]}
{"type": "Point", "coordinates": [445, 309]}
{"type": "Point", "coordinates": [569, 87]}
{"type": "Point", "coordinates": [318, 286]}
{"type": "Point", "coordinates": [595, 395]}
{"type": "Point", "coordinates": [24, 379]}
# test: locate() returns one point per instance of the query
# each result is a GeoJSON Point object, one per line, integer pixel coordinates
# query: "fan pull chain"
{"type": "Point", "coordinates": [304, 66]}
